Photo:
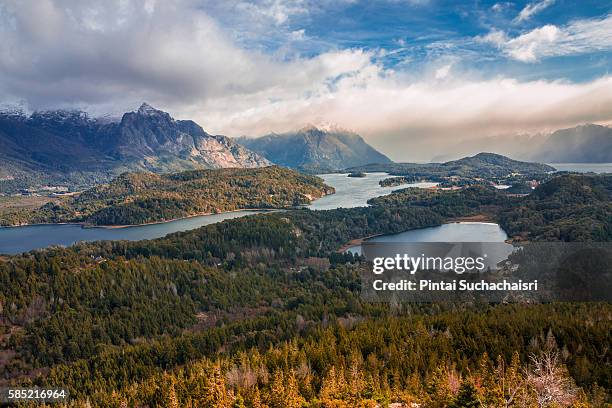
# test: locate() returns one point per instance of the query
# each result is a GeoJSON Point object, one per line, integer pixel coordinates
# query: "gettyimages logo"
{"type": "Point", "coordinates": [487, 271]}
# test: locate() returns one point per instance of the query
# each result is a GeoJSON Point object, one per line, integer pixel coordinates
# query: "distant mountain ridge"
{"type": "Point", "coordinates": [69, 146]}
{"type": "Point", "coordinates": [315, 149]}
{"type": "Point", "coordinates": [586, 143]}
{"type": "Point", "coordinates": [581, 144]}
{"type": "Point", "coordinates": [480, 165]}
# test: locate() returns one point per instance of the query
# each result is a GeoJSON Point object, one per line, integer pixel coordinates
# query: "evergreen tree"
{"type": "Point", "coordinates": [216, 394]}
{"type": "Point", "coordinates": [171, 398]}
{"type": "Point", "coordinates": [438, 389]}
{"type": "Point", "coordinates": [467, 396]}
{"type": "Point", "coordinates": [292, 397]}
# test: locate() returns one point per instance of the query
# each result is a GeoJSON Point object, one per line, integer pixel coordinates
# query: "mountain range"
{"type": "Point", "coordinates": [70, 147]}
{"type": "Point", "coordinates": [581, 144]}
{"type": "Point", "coordinates": [587, 143]}
{"type": "Point", "coordinates": [315, 149]}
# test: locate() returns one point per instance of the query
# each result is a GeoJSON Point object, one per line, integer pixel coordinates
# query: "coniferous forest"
{"type": "Point", "coordinates": [263, 311]}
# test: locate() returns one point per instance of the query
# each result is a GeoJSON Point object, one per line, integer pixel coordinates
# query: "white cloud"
{"type": "Point", "coordinates": [531, 9]}
{"type": "Point", "coordinates": [298, 35]}
{"type": "Point", "coordinates": [578, 37]}
{"type": "Point", "coordinates": [443, 71]}
{"type": "Point", "coordinates": [531, 46]}
{"type": "Point", "coordinates": [111, 56]}
{"type": "Point", "coordinates": [169, 53]}
{"type": "Point", "coordinates": [279, 11]}
{"type": "Point", "coordinates": [501, 6]}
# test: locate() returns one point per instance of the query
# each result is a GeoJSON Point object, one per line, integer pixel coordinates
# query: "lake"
{"type": "Point", "coordinates": [584, 167]}
{"type": "Point", "coordinates": [452, 232]}
{"type": "Point", "coordinates": [350, 192]}
{"type": "Point", "coordinates": [14, 240]}
{"type": "Point", "coordinates": [356, 191]}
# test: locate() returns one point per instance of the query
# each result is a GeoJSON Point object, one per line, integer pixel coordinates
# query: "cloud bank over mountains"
{"type": "Point", "coordinates": [200, 62]}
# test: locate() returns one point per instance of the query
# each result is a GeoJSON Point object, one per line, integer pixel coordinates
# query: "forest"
{"type": "Point", "coordinates": [263, 311]}
{"type": "Point", "coordinates": [139, 198]}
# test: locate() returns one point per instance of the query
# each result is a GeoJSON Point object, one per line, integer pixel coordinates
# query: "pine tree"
{"type": "Point", "coordinates": [356, 384]}
{"type": "Point", "coordinates": [256, 399]}
{"type": "Point", "coordinates": [216, 393]}
{"type": "Point", "coordinates": [277, 390]}
{"type": "Point", "coordinates": [329, 387]}
{"type": "Point", "coordinates": [171, 398]}
{"type": "Point", "coordinates": [438, 389]}
{"type": "Point", "coordinates": [467, 396]}
{"type": "Point", "coordinates": [511, 382]}
{"type": "Point", "coordinates": [292, 396]}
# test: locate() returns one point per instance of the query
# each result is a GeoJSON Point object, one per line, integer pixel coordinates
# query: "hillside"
{"type": "Point", "coordinates": [137, 198]}
{"type": "Point", "coordinates": [484, 165]}
{"type": "Point", "coordinates": [566, 208]}
{"type": "Point", "coordinates": [315, 150]}
{"type": "Point", "coordinates": [69, 147]}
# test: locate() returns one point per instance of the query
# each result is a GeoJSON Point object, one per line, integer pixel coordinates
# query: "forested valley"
{"type": "Point", "coordinates": [263, 311]}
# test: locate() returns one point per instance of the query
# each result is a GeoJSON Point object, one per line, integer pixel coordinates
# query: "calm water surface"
{"type": "Point", "coordinates": [350, 192]}
{"type": "Point", "coordinates": [14, 240]}
{"type": "Point", "coordinates": [356, 191]}
{"type": "Point", "coordinates": [453, 232]}
{"type": "Point", "coordinates": [584, 167]}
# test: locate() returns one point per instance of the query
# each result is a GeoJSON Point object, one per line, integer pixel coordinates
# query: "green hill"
{"type": "Point", "coordinates": [484, 165]}
{"type": "Point", "coordinates": [138, 198]}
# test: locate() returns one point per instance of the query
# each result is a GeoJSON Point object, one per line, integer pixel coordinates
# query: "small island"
{"type": "Point", "coordinates": [398, 181]}
{"type": "Point", "coordinates": [357, 174]}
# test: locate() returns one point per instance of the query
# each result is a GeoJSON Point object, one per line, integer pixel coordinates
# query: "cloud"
{"type": "Point", "coordinates": [172, 53]}
{"type": "Point", "coordinates": [443, 71]}
{"type": "Point", "coordinates": [531, 9]}
{"type": "Point", "coordinates": [578, 37]}
{"type": "Point", "coordinates": [110, 56]}
{"type": "Point", "coordinates": [416, 119]}
{"type": "Point", "coordinates": [279, 11]}
{"type": "Point", "coordinates": [501, 6]}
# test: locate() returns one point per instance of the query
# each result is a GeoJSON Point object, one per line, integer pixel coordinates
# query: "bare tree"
{"type": "Point", "coordinates": [548, 378]}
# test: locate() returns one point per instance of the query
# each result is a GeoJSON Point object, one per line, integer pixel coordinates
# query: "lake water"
{"type": "Point", "coordinates": [584, 167]}
{"type": "Point", "coordinates": [452, 232]}
{"type": "Point", "coordinates": [350, 192]}
{"type": "Point", "coordinates": [356, 191]}
{"type": "Point", "coordinates": [14, 240]}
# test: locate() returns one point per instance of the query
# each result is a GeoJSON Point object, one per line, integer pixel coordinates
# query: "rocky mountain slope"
{"type": "Point", "coordinates": [314, 149]}
{"type": "Point", "coordinates": [70, 147]}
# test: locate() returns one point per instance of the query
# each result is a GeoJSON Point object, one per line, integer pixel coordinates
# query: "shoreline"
{"type": "Point", "coordinates": [355, 242]}
{"type": "Point", "coordinates": [481, 218]}
{"type": "Point", "coordinates": [476, 219]}
{"type": "Point", "coordinates": [119, 226]}
{"type": "Point", "coordinates": [256, 210]}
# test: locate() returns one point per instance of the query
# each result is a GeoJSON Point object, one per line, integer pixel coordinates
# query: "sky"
{"type": "Point", "coordinates": [416, 78]}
